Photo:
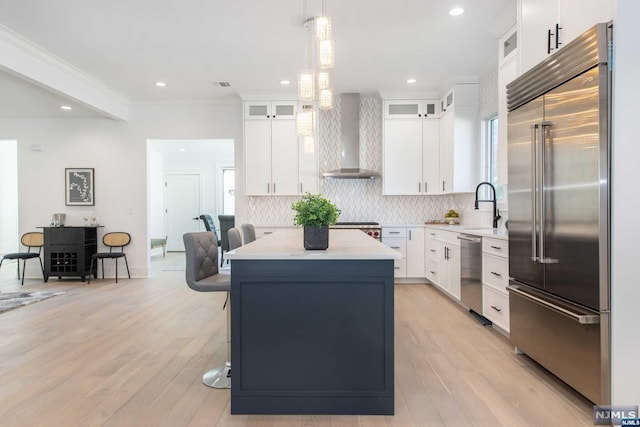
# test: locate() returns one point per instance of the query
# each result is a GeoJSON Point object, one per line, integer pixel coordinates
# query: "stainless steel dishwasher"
{"type": "Point", "coordinates": [471, 274]}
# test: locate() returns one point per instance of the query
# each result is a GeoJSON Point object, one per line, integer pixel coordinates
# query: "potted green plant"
{"type": "Point", "coordinates": [315, 214]}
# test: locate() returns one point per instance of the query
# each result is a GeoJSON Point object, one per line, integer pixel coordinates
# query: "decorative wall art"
{"type": "Point", "coordinates": [79, 187]}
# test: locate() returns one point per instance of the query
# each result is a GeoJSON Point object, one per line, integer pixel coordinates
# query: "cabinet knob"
{"type": "Point", "coordinates": [419, 115]}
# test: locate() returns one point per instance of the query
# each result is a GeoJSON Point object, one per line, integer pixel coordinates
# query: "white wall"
{"type": "Point", "coordinates": [118, 152]}
{"type": "Point", "coordinates": [9, 238]}
{"type": "Point", "coordinates": [625, 269]}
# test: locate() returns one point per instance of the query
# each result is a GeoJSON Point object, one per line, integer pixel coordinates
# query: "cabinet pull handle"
{"type": "Point", "coordinates": [496, 274]}
{"type": "Point", "coordinates": [432, 272]}
{"type": "Point", "coordinates": [496, 308]}
{"type": "Point", "coordinates": [394, 232]}
{"type": "Point", "coordinates": [558, 28]}
{"type": "Point", "coordinates": [395, 247]}
{"type": "Point", "coordinates": [419, 187]}
{"type": "Point", "coordinates": [409, 234]}
{"type": "Point", "coordinates": [549, 34]}
{"type": "Point", "coordinates": [396, 268]}
{"type": "Point", "coordinates": [301, 187]}
{"type": "Point", "coordinates": [425, 186]}
{"type": "Point", "coordinates": [498, 248]}
{"type": "Point", "coordinates": [268, 188]}
{"type": "Point", "coordinates": [442, 185]}
{"type": "Point", "coordinates": [268, 232]}
{"type": "Point", "coordinates": [433, 234]}
{"type": "Point", "coordinates": [432, 250]}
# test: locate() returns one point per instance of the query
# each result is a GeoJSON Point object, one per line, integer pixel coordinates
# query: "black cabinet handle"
{"type": "Point", "coordinates": [496, 308]}
{"type": "Point", "coordinates": [558, 28]}
{"type": "Point", "coordinates": [549, 34]}
{"type": "Point", "coordinates": [496, 274]}
{"type": "Point", "coordinates": [498, 248]}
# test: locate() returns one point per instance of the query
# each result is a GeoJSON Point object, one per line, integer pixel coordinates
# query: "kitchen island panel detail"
{"type": "Point", "coordinates": [312, 337]}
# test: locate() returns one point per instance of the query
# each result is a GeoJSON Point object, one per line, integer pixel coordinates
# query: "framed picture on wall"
{"type": "Point", "coordinates": [79, 187]}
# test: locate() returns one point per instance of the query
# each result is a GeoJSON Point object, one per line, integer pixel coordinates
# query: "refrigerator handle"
{"type": "Point", "coordinates": [544, 131]}
{"type": "Point", "coordinates": [534, 192]}
{"type": "Point", "coordinates": [582, 318]}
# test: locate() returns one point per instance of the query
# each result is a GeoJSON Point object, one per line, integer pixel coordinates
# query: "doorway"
{"type": "Point", "coordinates": [212, 160]}
{"type": "Point", "coordinates": [183, 208]}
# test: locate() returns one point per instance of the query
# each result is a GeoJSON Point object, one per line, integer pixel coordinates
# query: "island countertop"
{"type": "Point", "coordinates": [288, 245]}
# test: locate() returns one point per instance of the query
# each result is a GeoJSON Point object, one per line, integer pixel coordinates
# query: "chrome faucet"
{"type": "Point", "coordinates": [496, 212]}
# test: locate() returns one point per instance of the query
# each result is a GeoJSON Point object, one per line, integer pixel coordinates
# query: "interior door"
{"type": "Point", "coordinates": [523, 230]}
{"type": "Point", "coordinates": [183, 205]}
{"type": "Point", "coordinates": [572, 184]}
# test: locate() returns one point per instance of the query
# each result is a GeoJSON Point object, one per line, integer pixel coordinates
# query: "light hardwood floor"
{"type": "Point", "coordinates": [133, 353]}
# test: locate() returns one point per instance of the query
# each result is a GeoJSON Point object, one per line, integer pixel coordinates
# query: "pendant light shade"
{"type": "Point", "coordinates": [324, 80]}
{"type": "Point", "coordinates": [326, 99]}
{"type": "Point", "coordinates": [306, 89]}
{"type": "Point", "coordinates": [305, 122]}
{"type": "Point", "coordinates": [325, 54]}
{"type": "Point", "coordinates": [323, 28]}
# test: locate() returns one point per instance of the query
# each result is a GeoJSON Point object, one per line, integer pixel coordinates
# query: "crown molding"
{"type": "Point", "coordinates": [25, 59]}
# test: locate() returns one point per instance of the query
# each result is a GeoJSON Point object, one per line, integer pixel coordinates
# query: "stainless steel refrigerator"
{"type": "Point", "coordinates": [559, 157]}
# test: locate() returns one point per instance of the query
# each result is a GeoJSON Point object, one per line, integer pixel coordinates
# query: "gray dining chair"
{"type": "Point", "coordinates": [248, 233]}
{"type": "Point", "coordinates": [201, 273]}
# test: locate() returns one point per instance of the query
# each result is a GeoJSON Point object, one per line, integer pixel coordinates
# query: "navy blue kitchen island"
{"type": "Point", "coordinates": [312, 331]}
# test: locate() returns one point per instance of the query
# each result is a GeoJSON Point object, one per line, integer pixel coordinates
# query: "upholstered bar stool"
{"type": "Point", "coordinates": [248, 233]}
{"type": "Point", "coordinates": [202, 275]}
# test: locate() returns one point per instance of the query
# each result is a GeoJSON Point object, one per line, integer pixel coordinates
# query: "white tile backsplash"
{"type": "Point", "coordinates": [362, 199]}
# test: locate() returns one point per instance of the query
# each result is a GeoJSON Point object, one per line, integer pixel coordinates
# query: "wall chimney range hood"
{"type": "Point", "coordinates": [350, 141]}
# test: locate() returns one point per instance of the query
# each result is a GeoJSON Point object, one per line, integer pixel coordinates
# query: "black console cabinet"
{"type": "Point", "coordinates": [68, 251]}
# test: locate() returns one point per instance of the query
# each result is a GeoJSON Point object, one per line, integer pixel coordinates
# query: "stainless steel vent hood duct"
{"type": "Point", "coordinates": [350, 140]}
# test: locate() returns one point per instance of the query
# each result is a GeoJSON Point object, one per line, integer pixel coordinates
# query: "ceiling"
{"type": "Point", "coordinates": [189, 44]}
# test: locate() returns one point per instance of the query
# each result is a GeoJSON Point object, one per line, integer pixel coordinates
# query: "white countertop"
{"type": "Point", "coordinates": [288, 245]}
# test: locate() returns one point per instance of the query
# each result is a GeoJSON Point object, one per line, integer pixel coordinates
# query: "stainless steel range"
{"type": "Point", "coordinates": [373, 229]}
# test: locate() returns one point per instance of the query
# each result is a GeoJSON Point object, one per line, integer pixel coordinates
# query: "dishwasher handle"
{"type": "Point", "coordinates": [468, 238]}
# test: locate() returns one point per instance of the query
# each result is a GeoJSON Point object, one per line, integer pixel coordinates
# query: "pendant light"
{"type": "Point", "coordinates": [306, 78]}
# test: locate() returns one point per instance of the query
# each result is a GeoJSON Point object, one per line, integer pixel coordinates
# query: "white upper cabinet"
{"type": "Point", "coordinates": [459, 140]}
{"type": "Point", "coordinates": [262, 110]}
{"type": "Point", "coordinates": [277, 161]}
{"type": "Point", "coordinates": [431, 155]}
{"type": "Point", "coordinates": [545, 26]}
{"type": "Point", "coordinates": [411, 109]}
{"type": "Point", "coordinates": [402, 172]}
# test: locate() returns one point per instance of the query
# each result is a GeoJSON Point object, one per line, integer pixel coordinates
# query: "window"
{"type": "Point", "coordinates": [490, 157]}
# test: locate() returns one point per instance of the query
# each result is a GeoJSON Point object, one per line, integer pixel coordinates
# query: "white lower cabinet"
{"type": "Point", "coordinates": [409, 241]}
{"type": "Point", "coordinates": [495, 279]}
{"type": "Point", "coordinates": [495, 306]}
{"type": "Point", "coordinates": [415, 252]}
{"type": "Point", "coordinates": [443, 260]}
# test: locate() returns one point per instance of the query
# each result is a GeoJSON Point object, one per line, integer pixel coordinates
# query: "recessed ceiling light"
{"type": "Point", "coordinates": [411, 81]}
{"type": "Point", "coordinates": [285, 82]}
{"type": "Point", "coordinates": [181, 149]}
{"type": "Point", "coordinates": [456, 11]}
{"type": "Point", "coordinates": [160, 84]}
{"type": "Point", "coordinates": [65, 107]}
